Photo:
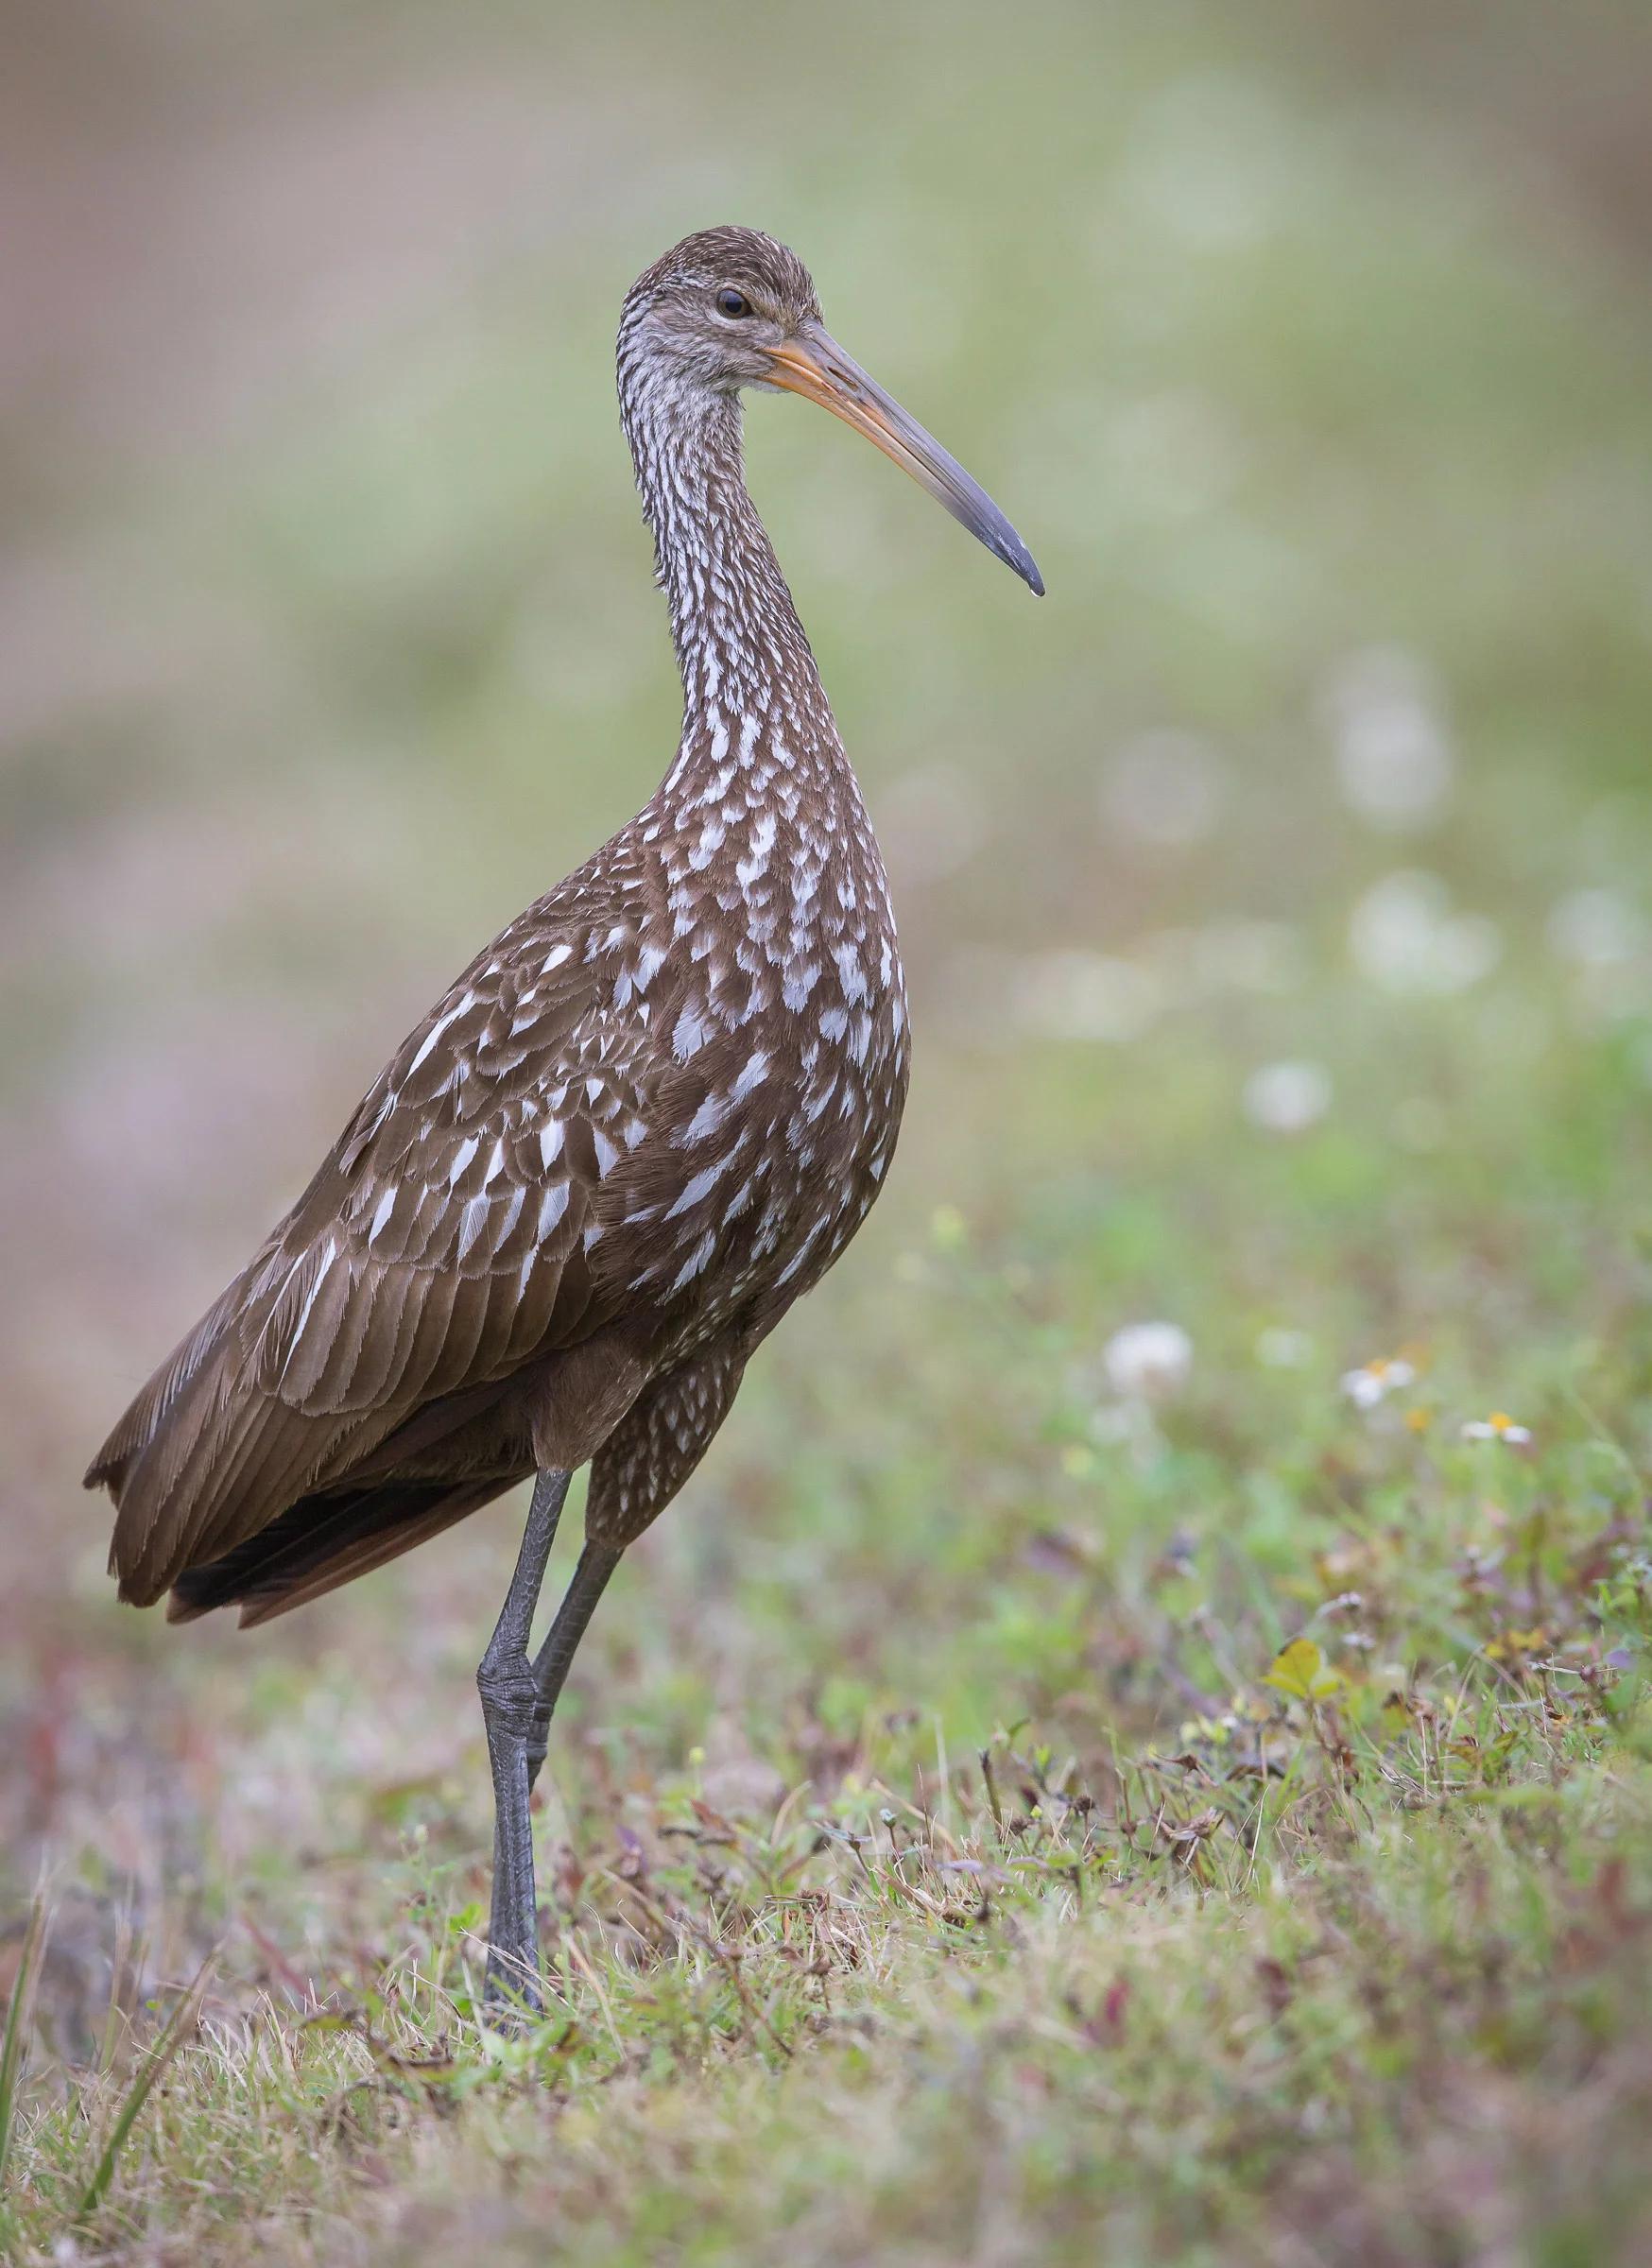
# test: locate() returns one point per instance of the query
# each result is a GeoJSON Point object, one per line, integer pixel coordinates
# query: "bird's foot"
{"type": "Point", "coordinates": [512, 1992]}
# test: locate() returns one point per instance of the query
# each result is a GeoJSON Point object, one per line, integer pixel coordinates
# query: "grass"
{"type": "Point", "coordinates": [1360, 1981]}
{"type": "Point", "coordinates": [14, 2038]}
{"type": "Point", "coordinates": [1217, 1828]}
{"type": "Point", "coordinates": [1017, 1807]}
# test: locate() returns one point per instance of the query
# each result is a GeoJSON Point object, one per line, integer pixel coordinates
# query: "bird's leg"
{"type": "Point", "coordinates": [510, 1697]}
{"type": "Point", "coordinates": [597, 1563]}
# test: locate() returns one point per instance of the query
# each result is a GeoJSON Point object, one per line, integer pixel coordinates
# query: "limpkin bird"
{"type": "Point", "coordinates": [644, 1121]}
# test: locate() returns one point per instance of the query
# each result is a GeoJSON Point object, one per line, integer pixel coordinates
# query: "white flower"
{"type": "Point", "coordinates": [1597, 929]}
{"type": "Point", "coordinates": [1394, 756]}
{"type": "Point", "coordinates": [1404, 937]}
{"type": "Point", "coordinates": [1500, 1426]}
{"type": "Point", "coordinates": [1373, 1382]}
{"type": "Point", "coordinates": [1287, 1098]}
{"type": "Point", "coordinates": [1148, 1362]}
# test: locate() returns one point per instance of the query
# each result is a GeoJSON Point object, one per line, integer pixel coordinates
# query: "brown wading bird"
{"type": "Point", "coordinates": [645, 1120]}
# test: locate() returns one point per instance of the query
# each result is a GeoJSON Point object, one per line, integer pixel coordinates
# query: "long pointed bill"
{"type": "Point", "coordinates": [816, 367]}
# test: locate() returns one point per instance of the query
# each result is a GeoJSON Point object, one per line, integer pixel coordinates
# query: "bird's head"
{"type": "Point", "coordinates": [730, 308]}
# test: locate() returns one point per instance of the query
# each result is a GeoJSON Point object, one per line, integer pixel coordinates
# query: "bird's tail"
{"type": "Point", "coordinates": [326, 1540]}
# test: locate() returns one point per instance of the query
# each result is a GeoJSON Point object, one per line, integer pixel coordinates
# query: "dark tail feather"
{"type": "Point", "coordinates": [323, 1541]}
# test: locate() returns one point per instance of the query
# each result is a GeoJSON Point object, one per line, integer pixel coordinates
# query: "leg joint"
{"type": "Point", "coordinates": [510, 1696]}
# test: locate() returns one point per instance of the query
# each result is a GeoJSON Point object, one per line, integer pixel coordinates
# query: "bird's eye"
{"type": "Point", "coordinates": [733, 303]}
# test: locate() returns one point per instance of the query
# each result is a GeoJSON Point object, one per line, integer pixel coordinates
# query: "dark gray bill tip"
{"type": "Point", "coordinates": [969, 504]}
{"type": "Point", "coordinates": [1003, 543]}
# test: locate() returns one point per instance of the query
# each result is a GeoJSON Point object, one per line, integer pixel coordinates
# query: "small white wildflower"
{"type": "Point", "coordinates": [1287, 1098]}
{"type": "Point", "coordinates": [1148, 1362]}
{"type": "Point", "coordinates": [1370, 1386]}
{"type": "Point", "coordinates": [1598, 929]}
{"type": "Point", "coordinates": [1394, 757]}
{"type": "Point", "coordinates": [1404, 937]}
{"type": "Point", "coordinates": [1500, 1426]}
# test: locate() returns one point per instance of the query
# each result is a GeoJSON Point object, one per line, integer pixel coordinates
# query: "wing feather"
{"type": "Point", "coordinates": [443, 1244]}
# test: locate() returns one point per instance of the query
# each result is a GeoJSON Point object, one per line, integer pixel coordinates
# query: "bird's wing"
{"type": "Point", "coordinates": [443, 1243]}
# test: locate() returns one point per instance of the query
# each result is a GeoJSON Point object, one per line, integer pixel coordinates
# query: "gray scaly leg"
{"type": "Point", "coordinates": [597, 1563]}
{"type": "Point", "coordinates": [509, 1692]}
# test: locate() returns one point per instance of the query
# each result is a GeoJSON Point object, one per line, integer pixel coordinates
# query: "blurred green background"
{"type": "Point", "coordinates": [1275, 894]}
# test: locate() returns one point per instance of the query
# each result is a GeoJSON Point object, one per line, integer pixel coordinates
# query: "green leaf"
{"type": "Point", "coordinates": [1303, 1673]}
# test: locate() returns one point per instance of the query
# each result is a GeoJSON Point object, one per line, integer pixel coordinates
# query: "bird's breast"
{"type": "Point", "coordinates": [783, 1029]}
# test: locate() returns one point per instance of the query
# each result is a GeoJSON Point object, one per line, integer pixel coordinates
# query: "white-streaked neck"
{"type": "Point", "coordinates": [748, 677]}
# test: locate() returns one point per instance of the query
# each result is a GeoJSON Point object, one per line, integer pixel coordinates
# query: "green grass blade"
{"type": "Point", "coordinates": [13, 2046]}
{"type": "Point", "coordinates": [160, 2055]}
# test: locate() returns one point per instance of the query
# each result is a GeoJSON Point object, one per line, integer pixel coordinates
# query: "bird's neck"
{"type": "Point", "coordinates": [751, 690]}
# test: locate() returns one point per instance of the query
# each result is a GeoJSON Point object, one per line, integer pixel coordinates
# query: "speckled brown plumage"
{"type": "Point", "coordinates": [641, 1123]}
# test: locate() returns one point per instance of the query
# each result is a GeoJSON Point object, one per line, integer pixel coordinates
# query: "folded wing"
{"type": "Point", "coordinates": [443, 1246]}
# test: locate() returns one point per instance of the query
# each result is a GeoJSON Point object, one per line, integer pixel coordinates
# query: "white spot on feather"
{"type": "Point", "coordinates": [850, 972]}
{"type": "Point", "coordinates": [695, 1261]}
{"type": "Point", "coordinates": [706, 1120]}
{"type": "Point", "coordinates": [799, 1255]}
{"type": "Point", "coordinates": [696, 1188]}
{"type": "Point", "coordinates": [691, 1034]}
{"type": "Point", "coordinates": [310, 1297]}
{"type": "Point", "coordinates": [471, 1223]}
{"type": "Point", "coordinates": [437, 1028]}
